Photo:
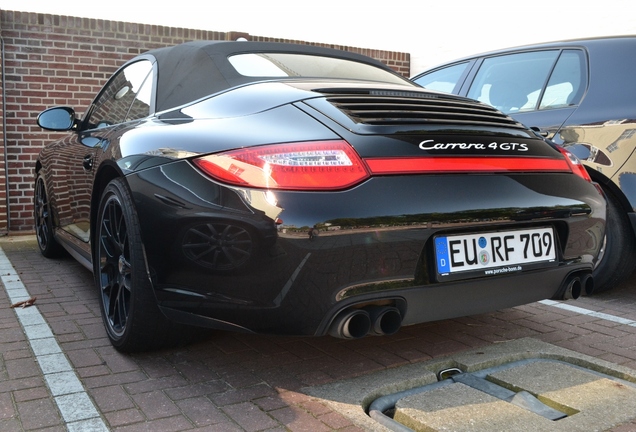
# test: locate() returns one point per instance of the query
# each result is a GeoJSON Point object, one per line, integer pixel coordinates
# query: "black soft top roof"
{"type": "Point", "coordinates": [192, 70]}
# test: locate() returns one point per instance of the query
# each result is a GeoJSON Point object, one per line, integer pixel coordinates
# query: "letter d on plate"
{"type": "Point", "coordinates": [441, 254]}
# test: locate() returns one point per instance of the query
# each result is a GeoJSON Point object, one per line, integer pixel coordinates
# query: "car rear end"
{"type": "Point", "coordinates": [426, 207]}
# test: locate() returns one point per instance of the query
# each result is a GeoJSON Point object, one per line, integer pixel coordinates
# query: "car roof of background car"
{"type": "Point", "coordinates": [192, 70]}
{"type": "Point", "coordinates": [600, 41]}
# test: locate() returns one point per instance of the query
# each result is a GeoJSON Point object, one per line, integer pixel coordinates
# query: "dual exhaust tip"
{"type": "Point", "coordinates": [354, 323]}
{"type": "Point", "coordinates": [575, 285]}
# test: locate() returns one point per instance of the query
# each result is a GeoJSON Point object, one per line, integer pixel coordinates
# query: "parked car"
{"type": "Point", "coordinates": [580, 94]}
{"type": "Point", "coordinates": [190, 185]}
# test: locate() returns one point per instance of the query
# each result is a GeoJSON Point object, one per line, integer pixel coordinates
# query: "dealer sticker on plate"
{"type": "Point", "coordinates": [494, 253]}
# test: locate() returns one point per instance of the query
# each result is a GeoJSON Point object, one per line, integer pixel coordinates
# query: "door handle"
{"type": "Point", "coordinates": [544, 133]}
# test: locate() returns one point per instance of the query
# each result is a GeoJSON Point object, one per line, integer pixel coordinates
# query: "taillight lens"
{"type": "Point", "coordinates": [321, 165]}
{"type": "Point", "coordinates": [575, 164]}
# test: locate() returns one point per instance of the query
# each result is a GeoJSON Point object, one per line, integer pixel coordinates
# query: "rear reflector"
{"type": "Point", "coordinates": [575, 164]}
{"type": "Point", "coordinates": [428, 164]}
{"type": "Point", "coordinates": [322, 165]}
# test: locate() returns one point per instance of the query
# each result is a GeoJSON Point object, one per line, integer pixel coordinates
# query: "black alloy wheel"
{"type": "Point", "coordinates": [129, 310]}
{"type": "Point", "coordinates": [49, 247]}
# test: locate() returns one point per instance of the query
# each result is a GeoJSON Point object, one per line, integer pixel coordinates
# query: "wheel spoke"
{"type": "Point", "coordinates": [201, 234]}
{"type": "Point", "coordinates": [215, 257]}
{"type": "Point", "coordinates": [240, 242]}
{"type": "Point", "coordinates": [230, 253]}
{"type": "Point", "coordinates": [109, 289]}
{"type": "Point", "coordinates": [125, 274]}
{"type": "Point", "coordinates": [196, 245]}
{"type": "Point", "coordinates": [122, 235]}
{"type": "Point", "coordinates": [237, 251]}
{"type": "Point", "coordinates": [120, 308]}
{"type": "Point", "coordinates": [204, 252]}
{"type": "Point", "coordinates": [214, 233]}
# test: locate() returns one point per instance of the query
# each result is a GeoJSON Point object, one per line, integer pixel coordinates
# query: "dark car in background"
{"type": "Point", "coordinates": [195, 183]}
{"type": "Point", "coordinates": [580, 94]}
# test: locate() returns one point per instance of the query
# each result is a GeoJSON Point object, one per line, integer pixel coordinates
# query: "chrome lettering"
{"type": "Point", "coordinates": [432, 145]}
{"type": "Point", "coordinates": [451, 146]}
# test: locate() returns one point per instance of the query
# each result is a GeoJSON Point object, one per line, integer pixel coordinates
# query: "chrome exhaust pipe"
{"type": "Point", "coordinates": [351, 324]}
{"type": "Point", "coordinates": [385, 320]}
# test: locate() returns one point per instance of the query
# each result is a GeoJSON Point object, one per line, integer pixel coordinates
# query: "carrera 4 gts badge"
{"type": "Point", "coordinates": [432, 145]}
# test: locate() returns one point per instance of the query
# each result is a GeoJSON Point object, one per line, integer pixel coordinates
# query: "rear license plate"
{"type": "Point", "coordinates": [494, 253]}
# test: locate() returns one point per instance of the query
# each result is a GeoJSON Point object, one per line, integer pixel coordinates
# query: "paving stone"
{"type": "Point", "coordinates": [249, 416]}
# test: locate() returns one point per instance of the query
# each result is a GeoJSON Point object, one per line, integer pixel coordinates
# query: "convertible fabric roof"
{"type": "Point", "coordinates": [193, 70]}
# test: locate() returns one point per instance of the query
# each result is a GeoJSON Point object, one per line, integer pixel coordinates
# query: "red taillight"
{"type": "Point", "coordinates": [321, 165]}
{"type": "Point", "coordinates": [575, 164]}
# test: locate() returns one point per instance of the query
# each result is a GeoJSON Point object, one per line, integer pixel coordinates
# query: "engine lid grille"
{"type": "Point", "coordinates": [377, 109]}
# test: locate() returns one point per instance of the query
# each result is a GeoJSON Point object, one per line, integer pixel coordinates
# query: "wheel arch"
{"type": "Point", "coordinates": [610, 187]}
{"type": "Point", "coordinates": [105, 175]}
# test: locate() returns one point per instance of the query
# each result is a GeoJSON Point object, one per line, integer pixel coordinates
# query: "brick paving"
{"type": "Point", "coordinates": [237, 382]}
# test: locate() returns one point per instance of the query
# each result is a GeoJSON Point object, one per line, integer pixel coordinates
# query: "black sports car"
{"type": "Point", "coordinates": [582, 95]}
{"type": "Point", "coordinates": [290, 189]}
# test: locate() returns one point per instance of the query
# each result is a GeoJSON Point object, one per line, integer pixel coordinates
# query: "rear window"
{"type": "Point", "coordinates": [444, 80]}
{"type": "Point", "coordinates": [277, 65]}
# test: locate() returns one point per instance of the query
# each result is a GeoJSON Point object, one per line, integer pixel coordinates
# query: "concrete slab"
{"type": "Point", "coordinates": [605, 402]}
{"type": "Point", "coordinates": [576, 387]}
{"type": "Point", "coordinates": [458, 407]}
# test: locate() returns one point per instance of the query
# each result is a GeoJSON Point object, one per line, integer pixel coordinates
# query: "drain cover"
{"type": "Point", "coordinates": [547, 394]}
{"type": "Point", "coordinates": [524, 384]}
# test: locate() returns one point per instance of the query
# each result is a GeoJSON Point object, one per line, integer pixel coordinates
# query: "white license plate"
{"type": "Point", "coordinates": [494, 253]}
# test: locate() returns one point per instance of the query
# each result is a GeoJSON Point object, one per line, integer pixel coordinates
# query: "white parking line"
{"type": "Point", "coordinates": [77, 409]}
{"type": "Point", "coordinates": [588, 312]}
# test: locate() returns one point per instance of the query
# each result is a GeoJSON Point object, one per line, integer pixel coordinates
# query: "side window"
{"type": "Point", "coordinates": [513, 83]}
{"type": "Point", "coordinates": [125, 97]}
{"type": "Point", "coordinates": [141, 105]}
{"type": "Point", "coordinates": [567, 82]}
{"type": "Point", "coordinates": [444, 80]}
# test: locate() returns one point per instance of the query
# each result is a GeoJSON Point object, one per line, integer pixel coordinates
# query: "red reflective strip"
{"type": "Point", "coordinates": [464, 164]}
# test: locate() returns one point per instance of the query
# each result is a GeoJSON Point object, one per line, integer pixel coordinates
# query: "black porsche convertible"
{"type": "Point", "coordinates": [291, 189]}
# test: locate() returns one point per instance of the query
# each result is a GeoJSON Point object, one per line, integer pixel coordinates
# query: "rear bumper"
{"type": "Point", "coordinates": [416, 304]}
{"type": "Point", "coordinates": [375, 247]}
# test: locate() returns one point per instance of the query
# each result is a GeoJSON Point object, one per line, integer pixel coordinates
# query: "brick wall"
{"type": "Point", "coordinates": [60, 60]}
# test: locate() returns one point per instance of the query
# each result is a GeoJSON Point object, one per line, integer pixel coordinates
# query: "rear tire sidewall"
{"type": "Point", "coordinates": [43, 219]}
{"type": "Point", "coordinates": [619, 258]}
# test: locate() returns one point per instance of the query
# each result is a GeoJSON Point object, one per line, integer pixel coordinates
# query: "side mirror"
{"type": "Point", "coordinates": [57, 119]}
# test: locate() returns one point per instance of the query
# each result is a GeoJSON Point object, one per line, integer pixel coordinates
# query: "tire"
{"type": "Point", "coordinates": [618, 257]}
{"type": "Point", "coordinates": [130, 313]}
{"type": "Point", "coordinates": [49, 247]}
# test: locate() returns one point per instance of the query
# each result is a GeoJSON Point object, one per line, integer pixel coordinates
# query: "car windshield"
{"type": "Point", "coordinates": [274, 65]}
